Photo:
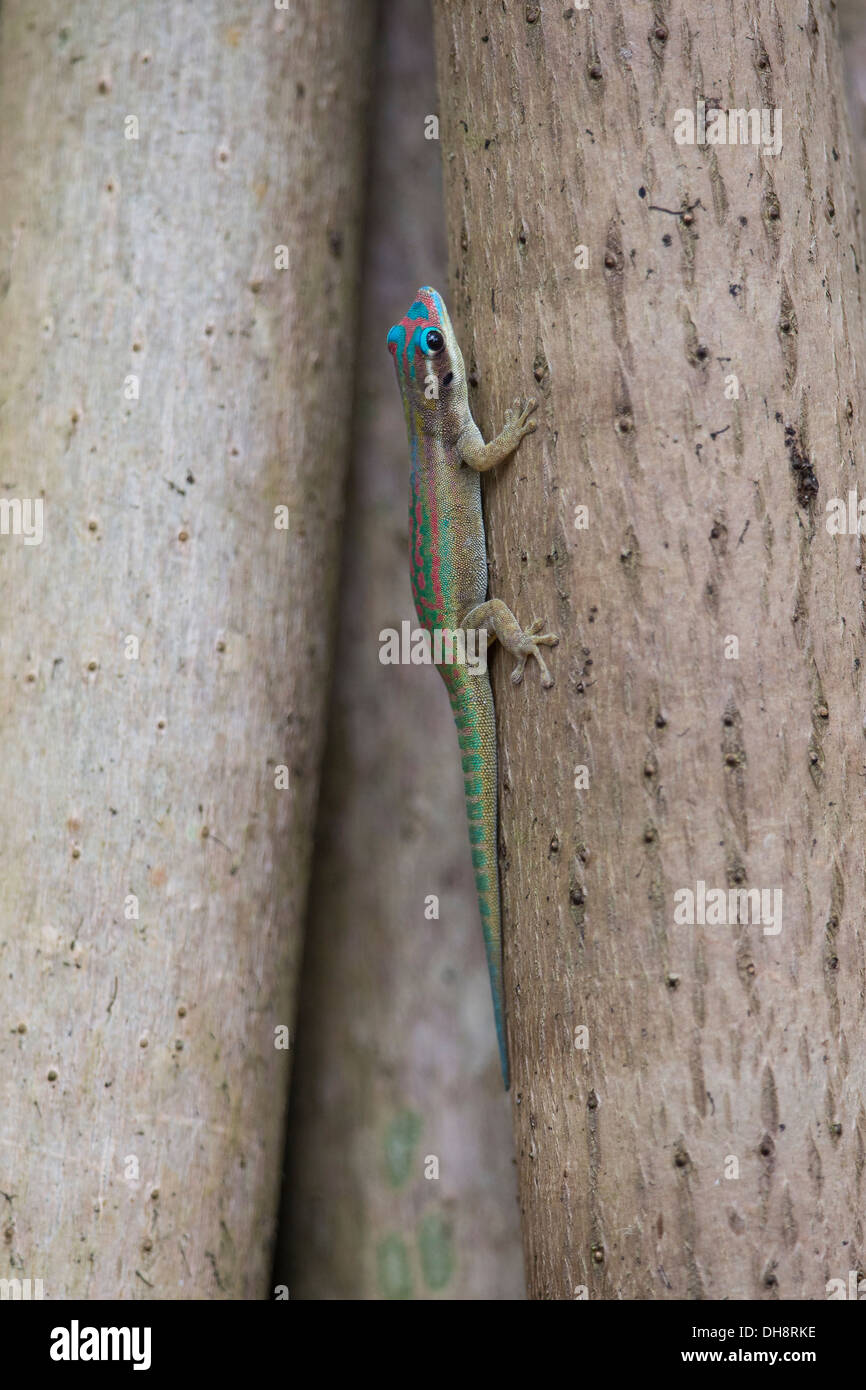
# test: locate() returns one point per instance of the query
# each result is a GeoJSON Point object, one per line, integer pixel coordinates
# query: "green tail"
{"type": "Point", "coordinates": [472, 703]}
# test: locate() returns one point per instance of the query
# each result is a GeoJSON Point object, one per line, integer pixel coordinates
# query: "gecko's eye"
{"type": "Point", "coordinates": [432, 341]}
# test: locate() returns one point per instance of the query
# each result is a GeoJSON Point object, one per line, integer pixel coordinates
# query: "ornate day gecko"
{"type": "Point", "coordinates": [448, 562]}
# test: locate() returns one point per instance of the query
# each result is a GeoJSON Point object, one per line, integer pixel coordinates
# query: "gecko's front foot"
{"type": "Point", "coordinates": [517, 420]}
{"type": "Point", "coordinates": [528, 645]}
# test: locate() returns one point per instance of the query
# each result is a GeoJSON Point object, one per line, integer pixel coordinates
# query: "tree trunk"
{"type": "Point", "coordinates": [163, 651]}
{"type": "Point", "coordinates": [701, 396]}
{"type": "Point", "coordinates": [396, 1061]}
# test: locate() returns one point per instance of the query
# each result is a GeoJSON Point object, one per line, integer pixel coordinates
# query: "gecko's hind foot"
{"type": "Point", "coordinates": [530, 640]}
{"type": "Point", "coordinates": [517, 673]}
{"type": "Point", "coordinates": [521, 643]}
{"type": "Point", "coordinates": [542, 639]}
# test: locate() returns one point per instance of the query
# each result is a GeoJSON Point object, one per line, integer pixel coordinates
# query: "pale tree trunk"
{"type": "Point", "coordinates": [165, 649]}
{"type": "Point", "coordinates": [710, 675]}
{"type": "Point", "coordinates": [396, 1063]}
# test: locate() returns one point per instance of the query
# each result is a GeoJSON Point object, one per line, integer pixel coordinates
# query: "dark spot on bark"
{"type": "Point", "coordinates": [801, 467]}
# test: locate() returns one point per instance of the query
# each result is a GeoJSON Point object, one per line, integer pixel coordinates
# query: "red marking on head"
{"type": "Point", "coordinates": [410, 325]}
{"type": "Point", "coordinates": [427, 298]}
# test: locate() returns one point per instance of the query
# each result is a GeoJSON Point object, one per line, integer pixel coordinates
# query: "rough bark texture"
{"type": "Point", "coordinates": [705, 1043]}
{"type": "Point", "coordinates": [142, 1093]}
{"type": "Point", "coordinates": [396, 1057]}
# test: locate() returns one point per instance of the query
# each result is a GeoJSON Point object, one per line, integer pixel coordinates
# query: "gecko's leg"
{"type": "Point", "coordinates": [497, 618]}
{"type": "Point", "coordinates": [481, 456]}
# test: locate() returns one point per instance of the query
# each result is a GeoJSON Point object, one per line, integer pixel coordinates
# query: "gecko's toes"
{"type": "Point", "coordinates": [544, 639]}
{"type": "Point", "coordinates": [517, 675]}
{"type": "Point", "coordinates": [547, 681]}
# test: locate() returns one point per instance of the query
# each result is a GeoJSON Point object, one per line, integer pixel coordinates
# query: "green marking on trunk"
{"type": "Point", "coordinates": [436, 1251]}
{"type": "Point", "coordinates": [401, 1138]}
{"type": "Point", "coordinates": [392, 1264]}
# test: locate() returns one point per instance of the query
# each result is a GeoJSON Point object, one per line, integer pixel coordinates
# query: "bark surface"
{"type": "Point", "coordinates": [165, 649]}
{"type": "Point", "coordinates": [702, 396]}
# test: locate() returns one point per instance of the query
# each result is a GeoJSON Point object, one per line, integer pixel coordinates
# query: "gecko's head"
{"type": "Point", "coordinates": [429, 362]}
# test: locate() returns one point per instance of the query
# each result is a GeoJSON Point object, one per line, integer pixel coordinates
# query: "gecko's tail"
{"type": "Point", "coordinates": [472, 703]}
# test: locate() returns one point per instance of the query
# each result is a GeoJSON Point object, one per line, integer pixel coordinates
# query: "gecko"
{"type": "Point", "coordinates": [448, 571]}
